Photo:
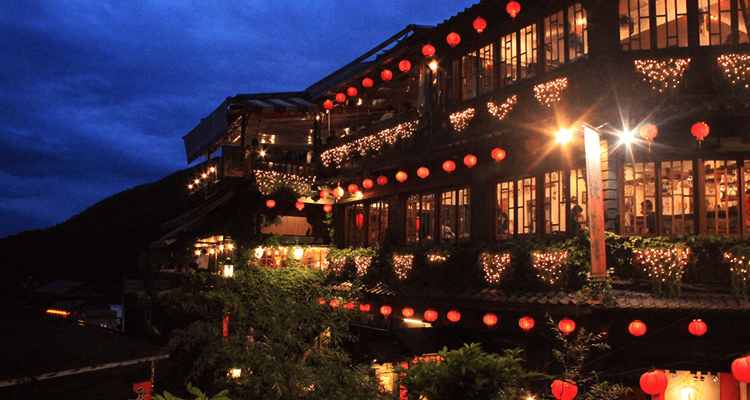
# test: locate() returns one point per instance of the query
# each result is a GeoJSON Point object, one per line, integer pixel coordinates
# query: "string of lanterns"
{"type": "Point", "coordinates": [662, 75]}
{"type": "Point", "coordinates": [549, 92]}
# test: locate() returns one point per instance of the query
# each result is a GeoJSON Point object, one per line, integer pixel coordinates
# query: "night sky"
{"type": "Point", "coordinates": [96, 95]}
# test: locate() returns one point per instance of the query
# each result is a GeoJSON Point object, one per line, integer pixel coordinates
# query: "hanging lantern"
{"type": "Point", "coordinates": [649, 132]}
{"type": "Point", "coordinates": [489, 319]}
{"type": "Point", "coordinates": [385, 310]}
{"type": "Point", "coordinates": [498, 154]}
{"type": "Point", "coordinates": [404, 65]}
{"type": "Point", "coordinates": [338, 192]}
{"type": "Point", "coordinates": [470, 160]}
{"type": "Point", "coordinates": [367, 82]}
{"type": "Point", "coordinates": [323, 194]}
{"type": "Point", "coordinates": [327, 208]}
{"type": "Point", "coordinates": [423, 172]}
{"type": "Point", "coordinates": [349, 305]}
{"type": "Point", "coordinates": [741, 369]}
{"type": "Point", "coordinates": [386, 75]}
{"type": "Point", "coordinates": [334, 303]}
{"type": "Point", "coordinates": [513, 8]}
{"type": "Point", "coordinates": [480, 24]}
{"type": "Point", "coordinates": [453, 39]}
{"type": "Point", "coordinates": [299, 205]}
{"type": "Point", "coordinates": [270, 204]}
{"type": "Point", "coordinates": [351, 92]}
{"type": "Point", "coordinates": [654, 382]}
{"type": "Point", "coordinates": [401, 176]}
{"type": "Point", "coordinates": [340, 97]}
{"type": "Point", "coordinates": [637, 328]}
{"type": "Point", "coordinates": [453, 316]}
{"type": "Point", "coordinates": [360, 220]}
{"type": "Point", "coordinates": [430, 315]}
{"type": "Point", "coordinates": [564, 390]}
{"type": "Point", "coordinates": [353, 188]}
{"type": "Point", "coordinates": [328, 105]}
{"type": "Point", "coordinates": [382, 180]}
{"type": "Point", "coordinates": [566, 325]}
{"type": "Point", "coordinates": [700, 131]}
{"type": "Point", "coordinates": [364, 307]}
{"type": "Point", "coordinates": [367, 184]}
{"type": "Point", "coordinates": [428, 50]}
{"type": "Point", "coordinates": [407, 312]}
{"type": "Point", "coordinates": [526, 323]}
{"type": "Point", "coordinates": [697, 327]}
{"type": "Point", "coordinates": [449, 166]}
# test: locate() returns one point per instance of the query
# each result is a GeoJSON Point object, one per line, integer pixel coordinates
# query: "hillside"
{"type": "Point", "coordinates": [99, 245]}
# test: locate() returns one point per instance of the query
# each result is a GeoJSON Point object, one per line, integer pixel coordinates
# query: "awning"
{"type": "Point", "coordinates": [207, 134]}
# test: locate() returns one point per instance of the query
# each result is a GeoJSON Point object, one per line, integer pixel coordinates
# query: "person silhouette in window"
{"type": "Point", "coordinates": [647, 209]}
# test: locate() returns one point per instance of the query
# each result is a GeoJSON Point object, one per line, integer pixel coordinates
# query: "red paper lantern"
{"type": "Point", "coordinates": [349, 305]}
{"type": "Point", "coordinates": [700, 130]}
{"type": "Point", "coordinates": [386, 75]}
{"type": "Point", "coordinates": [637, 328]}
{"type": "Point", "coordinates": [364, 307]}
{"type": "Point", "coordinates": [470, 160]}
{"type": "Point", "coordinates": [300, 205]}
{"type": "Point", "coordinates": [407, 312]}
{"type": "Point", "coordinates": [564, 390]}
{"type": "Point", "coordinates": [649, 132]}
{"type": "Point", "coordinates": [697, 327]}
{"type": "Point", "coordinates": [338, 192]}
{"type": "Point", "coordinates": [327, 208]}
{"type": "Point", "coordinates": [328, 104]}
{"type": "Point", "coordinates": [386, 310]}
{"type": "Point", "coordinates": [454, 316]}
{"type": "Point", "coordinates": [367, 82]}
{"type": "Point", "coordinates": [401, 176]}
{"type": "Point", "coordinates": [654, 382]}
{"type": "Point", "coordinates": [334, 303]}
{"type": "Point", "coordinates": [351, 92]}
{"type": "Point", "coordinates": [741, 369]}
{"type": "Point", "coordinates": [498, 154]}
{"type": "Point", "coordinates": [270, 204]}
{"type": "Point", "coordinates": [367, 184]}
{"type": "Point", "coordinates": [513, 8]}
{"type": "Point", "coordinates": [526, 323]}
{"type": "Point", "coordinates": [453, 39]}
{"type": "Point", "coordinates": [489, 319]}
{"type": "Point", "coordinates": [404, 65]}
{"type": "Point", "coordinates": [423, 172]}
{"type": "Point", "coordinates": [449, 166]}
{"type": "Point", "coordinates": [323, 194]}
{"type": "Point", "coordinates": [353, 188]}
{"type": "Point", "coordinates": [566, 325]}
{"type": "Point", "coordinates": [360, 220]}
{"type": "Point", "coordinates": [480, 24]}
{"type": "Point", "coordinates": [430, 315]}
{"type": "Point", "coordinates": [382, 180]}
{"type": "Point", "coordinates": [428, 50]}
{"type": "Point", "coordinates": [340, 97]}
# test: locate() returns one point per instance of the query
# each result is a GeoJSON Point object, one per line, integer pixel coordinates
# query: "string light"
{"type": "Point", "coordinates": [503, 109]}
{"type": "Point", "coordinates": [662, 75]}
{"type": "Point", "coordinates": [337, 155]}
{"type": "Point", "coordinates": [739, 267]}
{"type": "Point", "coordinates": [402, 264]}
{"type": "Point", "coordinates": [494, 265]}
{"type": "Point", "coordinates": [460, 119]}
{"type": "Point", "coordinates": [549, 266]}
{"type": "Point", "coordinates": [271, 181]}
{"type": "Point", "coordinates": [204, 179]}
{"type": "Point", "coordinates": [362, 263]}
{"type": "Point", "coordinates": [549, 92]}
{"type": "Point", "coordinates": [736, 68]}
{"type": "Point", "coordinates": [337, 265]}
{"type": "Point", "coordinates": [664, 266]}
{"type": "Point", "coordinates": [437, 258]}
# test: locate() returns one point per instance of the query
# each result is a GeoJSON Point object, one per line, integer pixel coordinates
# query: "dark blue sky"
{"type": "Point", "coordinates": [96, 94]}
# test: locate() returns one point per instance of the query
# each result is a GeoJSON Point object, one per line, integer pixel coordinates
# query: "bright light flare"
{"type": "Point", "coordinates": [626, 137]}
{"type": "Point", "coordinates": [563, 136]}
{"type": "Point", "coordinates": [433, 65]}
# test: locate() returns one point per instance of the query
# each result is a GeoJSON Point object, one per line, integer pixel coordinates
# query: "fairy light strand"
{"type": "Point", "coordinates": [372, 143]}
{"type": "Point", "coordinates": [437, 258]}
{"type": "Point", "coordinates": [363, 264]}
{"type": "Point", "coordinates": [662, 75]}
{"type": "Point", "coordinates": [461, 119]}
{"type": "Point", "coordinates": [270, 181]}
{"type": "Point", "coordinates": [549, 266]}
{"type": "Point", "coordinates": [665, 266]}
{"type": "Point", "coordinates": [549, 92]}
{"type": "Point", "coordinates": [739, 268]}
{"type": "Point", "coordinates": [402, 264]}
{"type": "Point", "coordinates": [337, 265]}
{"type": "Point", "coordinates": [494, 265]}
{"type": "Point", "coordinates": [736, 68]}
{"type": "Point", "coordinates": [500, 111]}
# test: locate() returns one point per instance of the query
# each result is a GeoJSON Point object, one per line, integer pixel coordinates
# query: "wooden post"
{"type": "Point", "coordinates": [595, 204]}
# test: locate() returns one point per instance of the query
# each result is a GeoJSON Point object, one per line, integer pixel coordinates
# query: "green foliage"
{"type": "Point", "coordinates": [739, 268]}
{"type": "Point", "coordinates": [466, 373]}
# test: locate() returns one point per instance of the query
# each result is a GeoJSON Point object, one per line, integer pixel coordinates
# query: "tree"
{"type": "Point", "coordinates": [466, 373]}
{"type": "Point", "coordinates": [280, 340]}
